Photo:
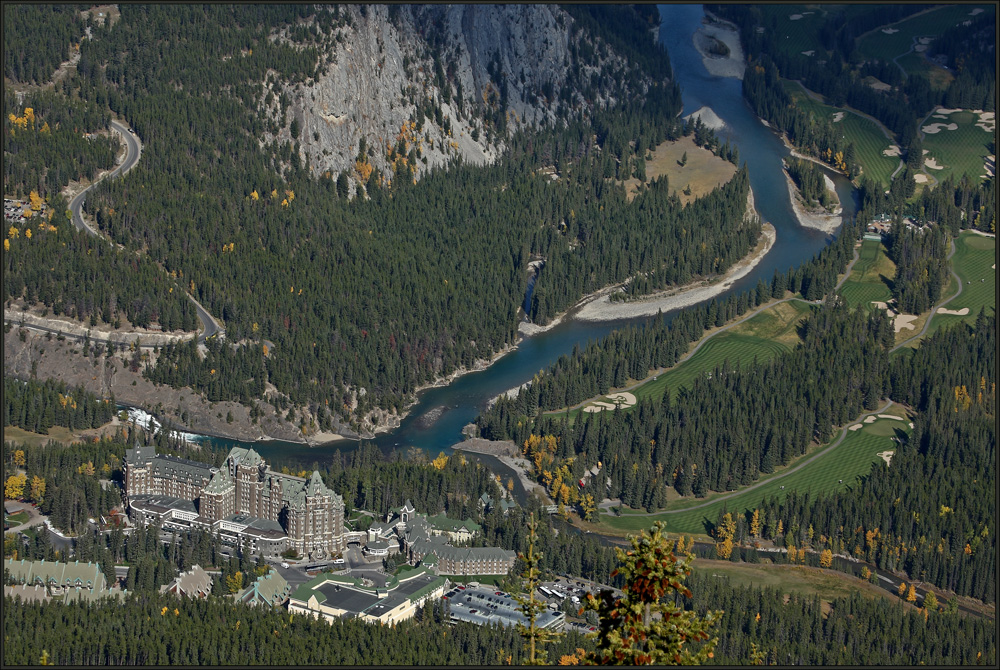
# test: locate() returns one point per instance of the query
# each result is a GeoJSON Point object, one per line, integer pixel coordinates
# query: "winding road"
{"type": "Point", "coordinates": [133, 147]}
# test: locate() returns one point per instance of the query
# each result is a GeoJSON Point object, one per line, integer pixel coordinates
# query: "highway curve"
{"type": "Point", "coordinates": [210, 326]}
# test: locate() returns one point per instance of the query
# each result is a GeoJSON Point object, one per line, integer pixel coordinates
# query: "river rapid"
{"type": "Point", "coordinates": [435, 422]}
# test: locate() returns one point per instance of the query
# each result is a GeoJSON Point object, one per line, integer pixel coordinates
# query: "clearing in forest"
{"type": "Point", "coordinates": [702, 172]}
{"type": "Point", "coordinates": [870, 278]}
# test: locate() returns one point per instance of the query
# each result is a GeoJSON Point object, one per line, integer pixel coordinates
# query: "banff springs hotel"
{"type": "Point", "coordinates": [249, 505]}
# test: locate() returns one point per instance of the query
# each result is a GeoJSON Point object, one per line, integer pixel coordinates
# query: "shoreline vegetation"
{"type": "Point", "coordinates": [597, 306]}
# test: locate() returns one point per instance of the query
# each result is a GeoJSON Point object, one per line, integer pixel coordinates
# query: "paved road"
{"type": "Point", "coordinates": [210, 327]}
{"type": "Point", "coordinates": [133, 151]}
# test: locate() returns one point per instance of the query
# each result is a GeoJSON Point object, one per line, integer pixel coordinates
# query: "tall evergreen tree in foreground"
{"type": "Point", "coordinates": [641, 628]}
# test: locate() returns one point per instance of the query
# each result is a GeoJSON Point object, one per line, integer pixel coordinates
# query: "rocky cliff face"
{"type": "Point", "coordinates": [403, 89]}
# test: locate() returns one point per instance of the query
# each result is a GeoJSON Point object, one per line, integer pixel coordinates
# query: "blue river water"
{"type": "Point", "coordinates": [436, 421]}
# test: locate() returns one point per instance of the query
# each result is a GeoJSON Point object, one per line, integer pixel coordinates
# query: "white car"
{"type": "Point", "coordinates": [284, 565]}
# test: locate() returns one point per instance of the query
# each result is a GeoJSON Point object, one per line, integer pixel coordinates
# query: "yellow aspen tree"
{"type": "Point", "coordinates": [37, 489]}
{"type": "Point", "coordinates": [755, 524]}
{"type": "Point", "coordinates": [14, 487]}
{"type": "Point", "coordinates": [826, 558]}
{"type": "Point", "coordinates": [902, 588]}
{"type": "Point", "coordinates": [19, 457]}
{"type": "Point", "coordinates": [27, 233]}
{"type": "Point", "coordinates": [6, 245]}
{"type": "Point", "coordinates": [254, 195]}
{"type": "Point", "coordinates": [911, 594]}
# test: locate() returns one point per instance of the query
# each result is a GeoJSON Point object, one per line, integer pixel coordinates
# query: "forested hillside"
{"type": "Point", "coordinates": [157, 629]}
{"type": "Point", "coordinates": [368, 285]}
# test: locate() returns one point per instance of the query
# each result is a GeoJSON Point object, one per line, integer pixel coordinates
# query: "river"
{"type": "Point", "coordinates": [436, 421]}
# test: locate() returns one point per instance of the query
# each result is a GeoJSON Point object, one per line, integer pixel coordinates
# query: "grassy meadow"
{"type": "Point", "coordinates": [703, 172]}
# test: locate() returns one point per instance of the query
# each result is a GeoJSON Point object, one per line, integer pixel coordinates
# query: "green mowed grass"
{"type": "Point", "coordinates": [799, 35]}
{"type": "Point", "coordinates": [916, 64]}
{"type": "Point", "coordinates": [866, 282]}
{"type": "Point", "coordinates": [960, 151]}
{"type": "Point", "coordinates": [869, 141]}
{"type": "Point", "coordinates": [17, 518]}
{"type": "Point", "coordinates": [828, 585]}
{"type": "Point", "coordinates": [878, 44]}
{"type": "Point", "coordinates": [764, 336]}
{"type": "Point", "coordinates": [831, 471]}
{"type": "Point", "coordinates": [973, 260]}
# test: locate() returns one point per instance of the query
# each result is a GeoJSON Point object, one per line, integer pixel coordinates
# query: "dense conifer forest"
{"type": "Point", "coordinates": [156, 629]}
{"type": "Point", "coordinates": [37, 406]}
{"type": "Point", "coordinates": [49, 140]}
{"type": "Point", "coordinates": [383, 292]}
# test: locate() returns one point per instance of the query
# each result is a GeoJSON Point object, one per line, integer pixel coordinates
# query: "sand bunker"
{"type": "Point", "coordinates": [910, 424]}
{"type": "Point", "coordinates": [920, 47]}
{"type": "Point", "coordinates": [939, 116]}
{"type": "Point", "coordinates": [794, 17]}
{"type": "Point", "coordinates": [857, 426]}
{"type": "Point", "coordinates": [936, 127]}
{"type": "Point", "coordinates": [838, 117]}
{"type": "Point", "coordinates": [976, 11]}
{"type": "Point", "coordinates": [921, 178]}
{"type": "Point", "coordinates": [903, 321]}
{"type": "Point", "coordinates": [889, 416]}
{"type": "Point", "coordinates": [890, 31]}
{"type": "Point", "coordinates": [893, 150]}
{"type": "Point", "coordinates": [623, 399]}
{"type": "Point", "coordinates": [708, 117]}
{"type": "Point", "coordinates": [945, 110]}
{"type": "Point", "coordinates": [809, 53]}
{"type": "Point", "coordinates": [956, 312]}
{"type": "Point", "coordinates": [880, 304]}
{"type": "Point", "coordinates": [933, 164]}
{"type": "Point", "coordinates": [869, 419]}
{"type": "Point", "coordinates": [987, 121]}
{"type": "Point", "coordinates": [886, 456]}
{"type": "Point", "coordinates": [626, 398]}
{"type": "Point", "coordinates": [926, 40]}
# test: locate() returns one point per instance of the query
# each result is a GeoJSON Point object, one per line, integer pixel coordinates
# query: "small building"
{"type": "Point", "coordinates": [270, 590]}
{"type": "Point", "coordinates": [195, 583]}
{"type": "Point", "coordinates": [46, 581]}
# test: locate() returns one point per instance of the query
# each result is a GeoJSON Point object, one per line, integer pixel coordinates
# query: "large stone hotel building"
{"type": "Point", "coordinates": [244, 501]}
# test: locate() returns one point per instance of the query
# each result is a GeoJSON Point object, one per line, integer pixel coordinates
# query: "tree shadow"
{"type": "Point", "coordinates": [888, 282]}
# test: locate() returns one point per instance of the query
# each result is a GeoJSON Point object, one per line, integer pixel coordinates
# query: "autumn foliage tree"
{"type": "Point", "coordinates": [639, 628]}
